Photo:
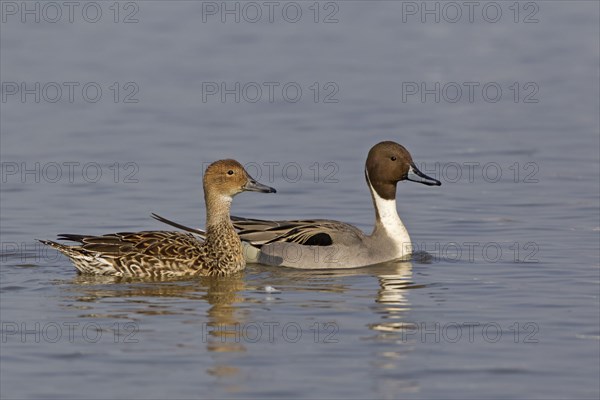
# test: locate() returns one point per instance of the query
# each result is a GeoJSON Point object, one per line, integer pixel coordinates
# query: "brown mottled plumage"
{"type": "Point", "coordinates": [160, 254]}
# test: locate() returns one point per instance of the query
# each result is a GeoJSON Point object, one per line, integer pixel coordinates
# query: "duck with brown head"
{"type": "Point", "coordinates": [328, 244]}
{"type": "Point", "coordinates": [387, 164]}
{"type": "Point", "coordinates": [160, 254]}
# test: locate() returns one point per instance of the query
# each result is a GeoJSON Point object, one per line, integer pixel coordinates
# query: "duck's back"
{"type": "Point", "coordinates": [306, 244]}
{"type": "Point", "coordinates": [140, 254]}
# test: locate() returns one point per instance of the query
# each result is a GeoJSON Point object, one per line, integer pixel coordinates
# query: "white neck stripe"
{"type": "Point", "coordinates": [390, 221]}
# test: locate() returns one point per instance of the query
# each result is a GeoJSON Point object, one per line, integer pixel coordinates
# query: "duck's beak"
{"type": "Point", "coordinates": [253, 186]}
{"type": "Point", "coordinates": [417, 176]}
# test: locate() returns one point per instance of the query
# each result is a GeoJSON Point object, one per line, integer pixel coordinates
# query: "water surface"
{"type": "Point", "coordinates": [501, 299]}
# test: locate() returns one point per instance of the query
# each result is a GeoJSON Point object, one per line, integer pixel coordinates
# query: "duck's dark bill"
{"type": "Point", "coordinates": [417, 176]}
{"type": "Point", "coordinates": [253, 186]}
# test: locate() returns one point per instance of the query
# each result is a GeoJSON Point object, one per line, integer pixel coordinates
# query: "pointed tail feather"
{"type": "Point", "coordinates": [69, 251]}
{"type": "Point", "coordinates": [199, 232]}
{"type": "Point", "coordinates": [50, 243]}
{"type": "Point", "coordinates": [71, 237]}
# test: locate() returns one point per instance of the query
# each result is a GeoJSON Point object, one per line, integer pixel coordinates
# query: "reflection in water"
{"type": "Point", "coordinates": [392, 305]}
{"type": "Point", "coordinates": [391, 298]}
{"type": "Point", "coordinates": [390, 308]}
{"type": "Point", "coordinates": [218, 330]}
{"type": "Point", "coordinates": [223, 323]}
{"type": "Point", "coordinates": [222, 295]}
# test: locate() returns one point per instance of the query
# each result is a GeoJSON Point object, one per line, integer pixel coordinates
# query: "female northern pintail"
{"type": "Point", "coordinates": [318, 244]}
{"type": "Point", "coordinates": [170, 254]}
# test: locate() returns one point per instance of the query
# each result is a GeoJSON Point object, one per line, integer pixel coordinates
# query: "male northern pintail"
{"type": "Point", "coordinates": [170, 254]}
{"type": "Point", "coordinates": [318, 244]}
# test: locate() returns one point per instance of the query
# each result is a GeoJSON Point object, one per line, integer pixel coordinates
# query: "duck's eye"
{"type": "Point", "coordinates": [230, 172]}
{"type": "Point", "coordinates": [393, 158]}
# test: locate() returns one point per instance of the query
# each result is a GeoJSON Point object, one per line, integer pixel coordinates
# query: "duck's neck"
{"type": "Point", "coordinates": [217, 213]}
{"type": "Point", "coordinates": [225, 254]}
{"type": "Point", "coordinates": [388, 225]}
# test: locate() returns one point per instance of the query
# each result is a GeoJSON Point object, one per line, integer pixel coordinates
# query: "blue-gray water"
{"type": "Point", "coordinates": [502, 300]}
